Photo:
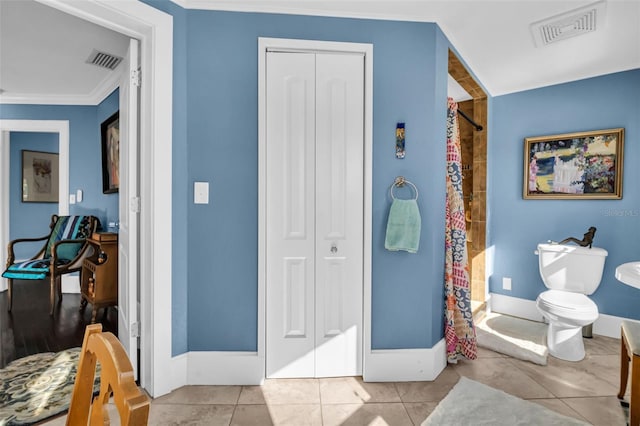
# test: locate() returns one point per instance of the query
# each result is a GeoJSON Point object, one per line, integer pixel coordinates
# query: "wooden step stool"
{"type": "Point", "coordinates": [630, 353]}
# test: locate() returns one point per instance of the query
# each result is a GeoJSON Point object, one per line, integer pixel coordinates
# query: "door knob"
{"type": "Point", "coordinates": [334, 248]}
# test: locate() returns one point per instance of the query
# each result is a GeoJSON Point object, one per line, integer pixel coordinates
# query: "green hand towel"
{"type": "Point", "coordinates": [403, 226]}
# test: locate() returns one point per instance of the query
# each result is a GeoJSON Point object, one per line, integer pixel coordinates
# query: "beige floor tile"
{"type": "Point", "coordinates": [599, 411]}
{"type": "Point", "coordinates": [251, 395]}
{"type": "Point", "coordinates": [428, 391]}
{"type": "Point", "coordinates": [488, 353]}
{"type": "Point", "coordinates": [296, 415]}
{"type": "Point", "coordinates": [251, 415]}
{"type": "Point", "coordinates": [190, 415]}
{"type": "Point", "coordinates": [377, 414]}
{"type": "Point", "coordinates": [602, 345]}
{"type": "Point", "coordinates": [419, 411]}
{"type": "Point", "coordinates": [567, 379]}
{"type": "Point", "coordinates": [559, 407]}
{"type": "Point", "coordinates": [291, 391]}
{"type": "Point", "coordinates": [353, 390]}
{"type": "Point", "coordinates": [201, 395]}
{"type": "Point", "coordinates": [500, 373]}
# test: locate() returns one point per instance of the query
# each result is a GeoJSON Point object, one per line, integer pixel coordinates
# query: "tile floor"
{"type": "Point", "coordinates": [585, 390]}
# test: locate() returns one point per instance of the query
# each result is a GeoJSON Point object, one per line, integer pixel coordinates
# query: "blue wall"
{"type": "Point", "coordinates": [222, 145]}
{"type": "Point", "coordinates": [517, 225]}
{"type": "Point", "coordinates": [28, 220]}
{"type": "Point", "coordinates": [85, 156]}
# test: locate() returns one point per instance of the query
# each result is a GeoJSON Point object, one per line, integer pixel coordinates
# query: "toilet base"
{"type": "Point", "coordinates": [565, 342]}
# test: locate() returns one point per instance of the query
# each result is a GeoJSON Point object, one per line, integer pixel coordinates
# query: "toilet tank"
{"type": "Point", "coordinates": [571, 268]}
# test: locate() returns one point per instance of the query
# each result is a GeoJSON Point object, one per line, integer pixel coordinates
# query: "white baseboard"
{"type": "Point", "coordinates": [605, 325]}
{"type": "Point", "coordinates": [71, 283]}
{"type": "Point", "coordinates": [247, 368]}
{"type": "Point", "coordinates": [224, 368]}
{"type": "Point", "coordinates": [405, 365]}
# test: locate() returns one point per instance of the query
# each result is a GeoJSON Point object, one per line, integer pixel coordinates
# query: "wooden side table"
{"type": "Point", "coordinates": [99, 275]}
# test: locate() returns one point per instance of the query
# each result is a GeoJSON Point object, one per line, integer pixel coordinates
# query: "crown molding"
{"type": "Point", "coordinates": [97, 95]}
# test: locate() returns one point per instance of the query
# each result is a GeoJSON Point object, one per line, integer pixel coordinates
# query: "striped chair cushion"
{"type": "Point", "coordinates": [66, 228]}
{"type": "Point", "coordinates": [31, 269]}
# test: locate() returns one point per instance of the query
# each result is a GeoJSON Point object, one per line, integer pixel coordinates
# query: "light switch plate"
{"type": "Point", "coordinates": [72, 198]}
{"type": "Point", "coordinates": [201, 192]}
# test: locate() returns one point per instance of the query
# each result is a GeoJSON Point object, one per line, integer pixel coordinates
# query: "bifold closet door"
{"type": "Point", "coordinates": [314, 214]}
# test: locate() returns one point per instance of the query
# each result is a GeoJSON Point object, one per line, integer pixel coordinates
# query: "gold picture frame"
{"type": "Point", "coordinates": [581, 165]}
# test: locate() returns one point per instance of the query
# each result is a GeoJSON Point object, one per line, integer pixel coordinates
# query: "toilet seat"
{"type": "Point", "coordinates": [565, 304]}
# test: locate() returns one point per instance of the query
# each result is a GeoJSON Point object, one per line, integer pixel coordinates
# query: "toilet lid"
{"type": "Point", "coordinates": [567, 301]}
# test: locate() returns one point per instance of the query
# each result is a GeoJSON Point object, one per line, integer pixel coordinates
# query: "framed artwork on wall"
{"type": "Point", "coordinates": [40, 177]}
{"type": "Point", "coordinates": [581, 165]}
{"type": "Point", "coordinates": [110, 132]}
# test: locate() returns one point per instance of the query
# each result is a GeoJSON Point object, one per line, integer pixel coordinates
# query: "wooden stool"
{"type": "Point", "coordinates": [630, 352]}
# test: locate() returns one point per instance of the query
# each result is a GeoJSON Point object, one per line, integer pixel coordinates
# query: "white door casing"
{"type": "Point", "coordinates": [314, 214]}
{"type": "Point", "coordinates": [61, 127]}
{"type": "Point", "coordinates": [129, 206]}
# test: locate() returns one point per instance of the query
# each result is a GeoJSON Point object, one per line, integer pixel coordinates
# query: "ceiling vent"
{"type": "Point", "coordinates": [104, 60]}
{"type": "Point", "coordinates": [570, 24]}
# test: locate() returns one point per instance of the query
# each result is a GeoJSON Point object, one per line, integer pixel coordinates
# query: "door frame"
{"type": "Point", "coordinates": [154, 29]}
{"type": "Point", "coordinates": [59, 127]}
{"type": "Point", "coordinates": [315, 46]}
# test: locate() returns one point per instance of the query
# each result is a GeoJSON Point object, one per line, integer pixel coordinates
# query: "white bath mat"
{"type": "Point", "coordinates": [516, 337]}
{"type": "Point", "coordinates": [473, 403]}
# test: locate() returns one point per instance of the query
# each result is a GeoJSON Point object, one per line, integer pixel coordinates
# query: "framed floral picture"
{"type": "Point", "coordinates": [40, 177]}
{"type": "Point", "coordinates": [582, 165]}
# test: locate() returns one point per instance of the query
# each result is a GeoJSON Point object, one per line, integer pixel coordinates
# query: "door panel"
{"type": "Point", "coordinates": [290, 214]}
{"type": "Point", "coordinates": [339, 221]}
{"type": "Point", "coordinates": [128, 219]}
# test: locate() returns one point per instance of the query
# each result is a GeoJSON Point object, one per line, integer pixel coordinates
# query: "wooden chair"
{"type": "Point", "coordinates": [630, 354]}
{"type": "Point", "coordinates": [116, 380]}
{"type": "Point", "coordinates": [62, 253]}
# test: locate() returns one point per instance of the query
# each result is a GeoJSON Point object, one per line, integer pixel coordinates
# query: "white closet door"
{"type": "Point", "coordinates": [290, 214]}
{"type": "Point", "coordinates": [339, 213]}
{"type": "Point", "coordinates": [314, 216]}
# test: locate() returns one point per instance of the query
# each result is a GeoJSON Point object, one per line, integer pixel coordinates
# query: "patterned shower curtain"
{"type": "Point", "coordinates": [460, 334]}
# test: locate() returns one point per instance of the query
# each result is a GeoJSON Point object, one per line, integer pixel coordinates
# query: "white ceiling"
{"type": "Point", "coordinates": [43, 51]}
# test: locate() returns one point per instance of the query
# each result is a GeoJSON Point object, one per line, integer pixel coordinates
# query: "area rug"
{"type": "Point", "coordinates": [516, 337]}
{"type": "Point", "coordinates": [38, 386]}
{"type": "Point", "coordinates": [472, 403]}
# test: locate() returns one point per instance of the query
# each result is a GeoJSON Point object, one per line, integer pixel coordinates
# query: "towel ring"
{"type": "Point", "coordinates": [400, 181]}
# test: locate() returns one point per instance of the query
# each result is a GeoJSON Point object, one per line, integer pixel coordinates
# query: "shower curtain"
{"type": "Point", "coordinates": [460, 334]}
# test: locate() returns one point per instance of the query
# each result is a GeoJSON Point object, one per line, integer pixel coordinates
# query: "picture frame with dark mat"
{"type": "Point", "coordinates": [110, 134]}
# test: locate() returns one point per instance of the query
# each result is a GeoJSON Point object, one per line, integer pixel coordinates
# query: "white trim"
{"type": "Point", "coordinates": [265, 44]}
{"type": "Point", "coordinates": [97, 95]}
{"type": "Point", "coordinates": [154, 29]}
{"type": "Point", "coordinates": [224, 368]}
{"type": "Point", "coordinates": [71, 283]}
{"type": "Point", "coordinates": [514, 306]}
{"type": "Point", "coordinates": [605, 325]}
{"type": "Point", "coordinates": [406, 365]}
{"type": "Point", "coordinates": [61, 127]}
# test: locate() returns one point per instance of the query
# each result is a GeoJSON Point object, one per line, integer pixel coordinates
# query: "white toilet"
{"type": "Point", "coordinates": [570, 273]}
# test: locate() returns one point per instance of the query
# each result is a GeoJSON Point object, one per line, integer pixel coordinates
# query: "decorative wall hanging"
{"type": "Point", "coordinates": [110, 132]}
{"type": "Point", "coordinates": [400, 140]}
{"type": "Point", "coordinates": [582, 165]}
{"type": "Point", "coordinates": [40, 177]}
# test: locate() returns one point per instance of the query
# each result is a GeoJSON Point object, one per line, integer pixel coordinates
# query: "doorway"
{"type": "Point", "coordinates": [474, 168]}
{"type": "Point", "coordinates": [314, 208]}
{"type": "Point", "coordinates": [154, 29]}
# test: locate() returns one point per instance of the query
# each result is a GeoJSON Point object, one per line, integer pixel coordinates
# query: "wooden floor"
{"type": "Point", "coordinates": [29, 329]}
